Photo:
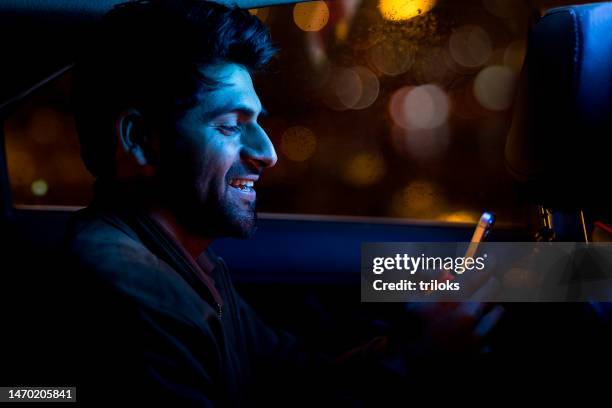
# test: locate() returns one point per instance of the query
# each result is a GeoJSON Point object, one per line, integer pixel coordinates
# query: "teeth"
{"type": "Point", "coordinates": [242, 183]}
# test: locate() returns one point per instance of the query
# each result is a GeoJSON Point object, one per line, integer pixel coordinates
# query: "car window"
{"type": "Point", "coordinates": [42, 149]}
{"type": "Point", "coordinates": [374, 109]}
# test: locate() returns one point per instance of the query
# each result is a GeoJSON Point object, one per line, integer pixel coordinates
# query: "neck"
{"type": "Point", "coordinates": [139, 193]}
{"type": "Point", "coordinates": [194, 244]}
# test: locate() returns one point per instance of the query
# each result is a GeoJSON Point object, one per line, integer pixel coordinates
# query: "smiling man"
{"type": "Point", "coordinates": [167, 118]}
{"type": "Point", "coordinates": [220, 153]}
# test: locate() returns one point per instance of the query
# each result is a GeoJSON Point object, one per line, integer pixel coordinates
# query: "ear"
{"type": "Point", "coordinates": [134, 137]}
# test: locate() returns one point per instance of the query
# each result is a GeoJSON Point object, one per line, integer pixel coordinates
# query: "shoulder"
{"type": "Point", "coordinates": [106, 246]}
{"type": "Point", "coordinates": [105, 252]}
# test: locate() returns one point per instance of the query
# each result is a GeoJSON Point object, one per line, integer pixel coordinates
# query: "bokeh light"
{"type": "Point", "coordinates": [311, 16]}
{"type": "Point", "coordinates": [494, 87]}
{"type": "Point", "coordinates": [315, 50]}
{"type": "Point", "coordinates": [261, 13]}
{"type": "Point", "coordinates": [39, 188]}
{"type": "Point", "coordinates": [354, 62]}
{"type": "Point", "coordinates": [370, 87]}
{"type": "Point", "coordinates": [421, 144]}
{"type": "Point", "coordinates": [421, 107]}
{"type": "Point", "coordinates": [397, 107]}
{"type": "Point", "coordinates": [470, 46]}
{"type": "Point", "coordinates": [364, 169]}
{"type": "Point", "coordinates": [414, 200]}
{"type": "Point", "coordinates": [351, 88]}
{"type": "Point", "coordinates": [298, 143]}
{"type": "Point", "coordinates": [343, 88]}
{"type": "Point", "coordinates": [398, 10]}
{"type": "Point", "coordinates": [347, 86]}
{"type": "Point", "coordinates": [460, 216]}
{"type": "Point", "coordinates": [427, 106]}
{"type": "Point", "coordinates": [390, 58]}
{"type": "Point", "coordinates": [341, 30]}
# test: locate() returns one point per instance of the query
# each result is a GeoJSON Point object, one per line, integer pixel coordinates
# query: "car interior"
{"type": "Point", "coordinates": [517, 98]}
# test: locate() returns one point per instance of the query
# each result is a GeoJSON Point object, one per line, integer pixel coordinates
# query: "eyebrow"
{"type": "Point", "coordinates": [242, 109]}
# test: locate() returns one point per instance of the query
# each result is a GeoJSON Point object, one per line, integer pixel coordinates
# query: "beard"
{"type": "Point", "coordinates": [210, 215]}
{"type": "Point", "coordinates": [219, 218]}
{"type": "Point", "coordinates": [202, 203]}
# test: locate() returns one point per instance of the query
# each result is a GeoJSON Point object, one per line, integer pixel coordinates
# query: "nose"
{"type": "Point", "coordinates": [257, 148]}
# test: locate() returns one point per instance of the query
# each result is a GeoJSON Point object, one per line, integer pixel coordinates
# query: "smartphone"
{"type": "Point", "coordinates": [480, 233]}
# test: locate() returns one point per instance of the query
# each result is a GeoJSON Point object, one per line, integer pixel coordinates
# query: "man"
{"type": "Point", "coordinates": [167, 117]}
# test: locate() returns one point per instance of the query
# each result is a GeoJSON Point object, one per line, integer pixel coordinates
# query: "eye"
{"type": "Point", "coordinates": [229, 130]}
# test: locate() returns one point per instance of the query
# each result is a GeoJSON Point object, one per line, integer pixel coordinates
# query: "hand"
{"type": "Point", "coordinates": [454, 327]}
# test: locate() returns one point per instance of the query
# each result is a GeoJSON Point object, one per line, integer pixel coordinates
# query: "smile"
{"type": "Point", "coordinates": [246, 185]}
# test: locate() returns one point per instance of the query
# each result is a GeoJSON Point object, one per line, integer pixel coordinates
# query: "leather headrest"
{"type": "Point", "coordinates": [560, 139]}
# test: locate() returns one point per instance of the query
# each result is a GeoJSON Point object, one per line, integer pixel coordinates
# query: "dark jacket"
{"type": "Point", "coordinates": [157, 327]}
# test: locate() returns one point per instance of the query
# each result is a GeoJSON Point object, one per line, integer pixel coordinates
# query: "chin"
{"type": "Point", "coordinates": [223, 222]}
{"type": "Point", "coordinates": [243, 225]}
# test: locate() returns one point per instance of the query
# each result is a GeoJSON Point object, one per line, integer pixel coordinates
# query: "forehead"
{"type": "Point", "coordinates": [235, 88]}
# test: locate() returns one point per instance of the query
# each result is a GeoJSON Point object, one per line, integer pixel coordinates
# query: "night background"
{"type": "Point", "coordinates": [375, 110]}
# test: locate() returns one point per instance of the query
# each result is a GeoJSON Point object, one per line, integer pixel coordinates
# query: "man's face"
{"type": "Point", "coordinates": [210, 168]}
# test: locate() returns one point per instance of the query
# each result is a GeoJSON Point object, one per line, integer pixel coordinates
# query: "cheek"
{"type": "Point", "coordinates": [213, 163]}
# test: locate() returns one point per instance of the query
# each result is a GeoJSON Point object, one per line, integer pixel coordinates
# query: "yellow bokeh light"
{"type": "Point", "coordinates": [311, 16]}
{"type": "Point", "coordinates": [417, 200]}
{"type": "Point", "coordinates": [460, 216]}
{"type": "Point", "coordinates": [261, 13]}
{"type": "Point", "coordinates": [298, 143]}
{"type": "Point", "coordinates": [364, 169]}
{"type": "Point", "coordinates": [398, 10]}
{"type": "Point", "coordinates": [39, 188]}
{"type": "Point", "coordinates": [342, 30]}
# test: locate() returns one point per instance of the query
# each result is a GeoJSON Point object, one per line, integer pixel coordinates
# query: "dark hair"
{"type": "Point", "coordinates": [145, 55]}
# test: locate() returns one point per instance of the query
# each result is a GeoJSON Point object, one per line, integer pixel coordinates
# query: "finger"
{"type": "Point", "coordinates": [471, 310]}
{"type": "Point", "coordinates": [488, 322]}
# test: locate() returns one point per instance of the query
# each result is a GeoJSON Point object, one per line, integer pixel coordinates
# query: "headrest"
{"type": "Point", "coordinates": [560, 138]}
